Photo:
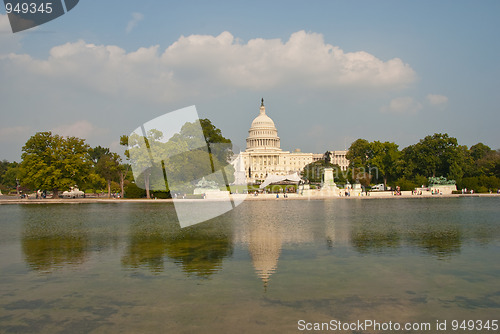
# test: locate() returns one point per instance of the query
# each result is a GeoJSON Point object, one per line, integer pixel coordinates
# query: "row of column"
{"type": "Point", "coordinates": [264, 160]}
{"type": "Point", "coordinates": [264, 142]}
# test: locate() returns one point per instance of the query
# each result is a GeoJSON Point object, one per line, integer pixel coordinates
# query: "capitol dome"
{"type": "Point", "coordinates": [263, 134]}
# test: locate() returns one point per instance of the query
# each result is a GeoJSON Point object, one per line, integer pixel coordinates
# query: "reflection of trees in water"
{"type": "Point", "coordinates": [441, 241]}
{"type": "Point", "coordinates": [436, 239]}
{"type": "Point", "coordinates": [199, 249]}
{"type": "Point", "coordinates": [369, 240]}
{"type": "Point", "coordinates": [52, 244]}
{"type": "Point", "coordinates": [61, 235]}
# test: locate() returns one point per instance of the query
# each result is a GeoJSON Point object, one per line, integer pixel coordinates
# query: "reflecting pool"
{"type": "Point", "coordinates": [130, 268]}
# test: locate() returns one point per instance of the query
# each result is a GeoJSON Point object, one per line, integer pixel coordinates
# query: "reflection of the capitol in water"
{"type": "Point", "coordinates": [266, 229]}
{"type": "Point", "coordinates": [265, 248]}
{"type": "Point", "coordinates": [150, 238]}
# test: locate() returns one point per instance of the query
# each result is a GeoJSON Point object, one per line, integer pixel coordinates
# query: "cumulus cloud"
{"type": "Point", "coordinates": [402, 105]}
{"type": "Point", "coordinates": [304, 58]}
{"type": "Point", "coordinates": [205, 64]}
{"type": "Point", "coordinates": [81, 129]}
{"type": "Point", "coordinates": [134, 21]}
{"type": "Point", "coordinates": [437, 100]}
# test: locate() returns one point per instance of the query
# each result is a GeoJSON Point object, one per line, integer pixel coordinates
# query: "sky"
{"type": "Point", "coordinates": [330, 72]}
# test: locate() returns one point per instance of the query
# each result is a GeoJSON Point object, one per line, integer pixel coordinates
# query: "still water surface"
{"type": "Point", "coordinates": [129, 268]}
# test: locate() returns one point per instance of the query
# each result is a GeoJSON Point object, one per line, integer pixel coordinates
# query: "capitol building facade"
{"type": "Point", "coordinates": [264, 157]}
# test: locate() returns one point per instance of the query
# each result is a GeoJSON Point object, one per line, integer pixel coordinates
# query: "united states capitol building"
{"type": "Point", "coordinates": [263, 156]}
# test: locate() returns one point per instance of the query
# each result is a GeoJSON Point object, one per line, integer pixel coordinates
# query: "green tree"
{"type": "Point", "coordinates": [456, 172]}
{"type": "Point", "coordinates": [359, 153]}
{"type": "Point", "coordinates": [95, 181]}
{"type": "Point", "coordinates": [97, 153]}
{"type": "Point", "coordinates": [435, 155]}
{"type": "Point", "coordinates": [479, 151]}
{"type": "Point", "coordinates": [384, 157]}
{"type": "Point", "coordinates": [220, 146]}
{"type": "Point", "coordinates": [124, 169]}
{"type": "Point", "coordinates": [52, 162]}
{"type": "Point", "coordinates": [108, 166]}
{"type": "Point", "coordinates": [381, 158]}
{"type": "Point", "coordinates": [8, 175]}
{"type": "Point", "coordinates": [4, 165]}
{"type": "Point", "coordinates": [148, 154]}
{"type": "Point", "coordinates": [489, 164]}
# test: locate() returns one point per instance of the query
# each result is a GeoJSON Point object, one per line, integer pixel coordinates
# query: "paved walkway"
{"type": "Point", "coordinates": [318, 196]}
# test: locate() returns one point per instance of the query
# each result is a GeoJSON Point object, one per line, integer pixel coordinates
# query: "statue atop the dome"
{"type": "Point", "coordinates": [262, 102]}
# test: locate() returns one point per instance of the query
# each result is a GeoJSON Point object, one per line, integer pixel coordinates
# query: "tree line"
{"type": "Point", "coordinates": [477, 167]}
{"type": "Point", "coordinates": [54, 163]}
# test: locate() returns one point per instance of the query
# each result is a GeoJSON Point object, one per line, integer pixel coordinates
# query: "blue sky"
{"type": "Point", "coordinates": [330, 71]}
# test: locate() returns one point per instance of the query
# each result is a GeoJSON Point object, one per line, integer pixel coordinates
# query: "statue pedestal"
{"type": "Point", "coordinates": [441, 185]}
{"type": "Point", "coordinates": [357, 190]}
{"type": "Point", "coordinates": [445, 189]}
{"type": "Point", "coordinates": [328, 182]}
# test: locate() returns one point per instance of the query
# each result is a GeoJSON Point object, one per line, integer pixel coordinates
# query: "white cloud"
{"type": "Point", "coordinates": [437, 100]}
{"type": "Point", "coordinates": [210, 65]}
{"type": "Point", "coordinates": [304, 59]}
{"type": "Point", "coordinates": [81, 129]}
{"type": "Point", "coordinates": [136, 18]}
{"type": "Point", "coordinates": [402, 105]}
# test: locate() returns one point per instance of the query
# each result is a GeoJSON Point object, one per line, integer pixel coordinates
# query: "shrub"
{"type": "Point", "coordinates": [405, 184]}
{"type": "Point", "coordinates": [133, 191]}
{"type": "Point", "coordinates": [161, 194]}
{"type": "Point", "coordinates": [482, 189]}
{"type": "Point", "coordinates": [480, 183]}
